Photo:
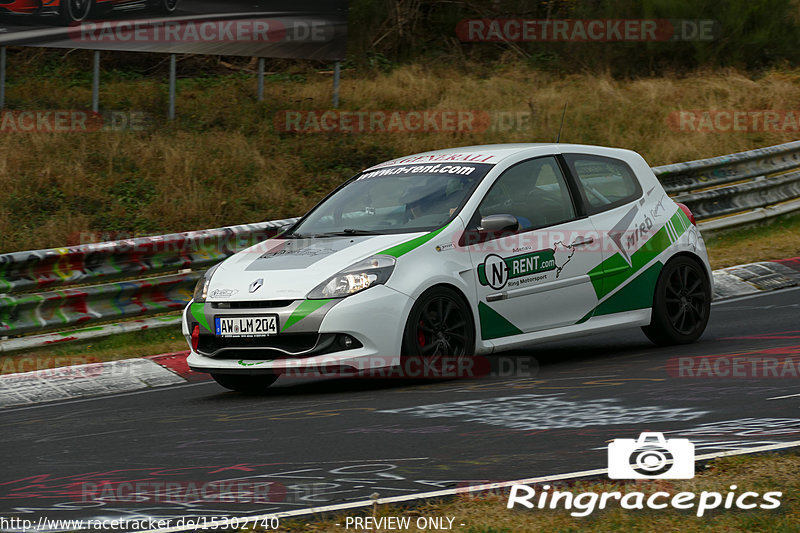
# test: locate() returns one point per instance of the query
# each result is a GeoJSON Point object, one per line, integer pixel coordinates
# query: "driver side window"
{"type": "Point", "coordinates": [534, 191]}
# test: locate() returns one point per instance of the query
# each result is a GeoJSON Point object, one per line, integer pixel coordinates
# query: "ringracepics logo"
{"type": "Point", "coordinates": [651, 457]}
{"type": "Point", "coordinates": [648, 457]}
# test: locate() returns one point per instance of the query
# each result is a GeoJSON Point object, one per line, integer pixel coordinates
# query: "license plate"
{"type": "Point", "coordinates": [246, 326]}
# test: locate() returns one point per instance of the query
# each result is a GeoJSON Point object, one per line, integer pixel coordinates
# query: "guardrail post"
{"type": "Point", "coordinates": [337, 71]}
{"type": "Point", "coordinates": [261, 62]}
{"type": "Point", "coordinates": [96, 83]}
{"type": "Point", "coordinates": [2, 77]}
{"type": "Point", "coordinates": [173, 74]}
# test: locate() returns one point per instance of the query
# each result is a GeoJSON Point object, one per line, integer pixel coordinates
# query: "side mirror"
{"type": "Point", "coordinates": [494, 223]}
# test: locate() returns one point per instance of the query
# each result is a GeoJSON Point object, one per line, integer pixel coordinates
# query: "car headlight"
{"type": "Point", "coordinates": [372, 271]}
{"type": "Point", "coordinates": [201, 289]}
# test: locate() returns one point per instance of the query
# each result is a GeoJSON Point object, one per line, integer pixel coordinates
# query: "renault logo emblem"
{"type": "Point", "coordinates": [256, 284]}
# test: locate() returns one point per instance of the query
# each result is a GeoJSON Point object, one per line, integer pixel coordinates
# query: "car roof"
{"type": "Point", "coordinates": [493, 153]}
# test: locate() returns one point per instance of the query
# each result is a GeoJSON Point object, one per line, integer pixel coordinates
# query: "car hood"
{"type": "Point", "coordinates": [291, 268]}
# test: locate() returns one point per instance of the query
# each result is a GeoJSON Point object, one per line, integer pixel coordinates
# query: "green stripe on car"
{"type": "Point", "coordinates": [493, 324]}
{"type": "Point", "coordinates": [305, 308]}
{"type": "Point", "coordinates": [196, 309]}
{"type": "Point", "coordinates": [405, 247]}
{"type": "Point", "coordinates": [615, 271]}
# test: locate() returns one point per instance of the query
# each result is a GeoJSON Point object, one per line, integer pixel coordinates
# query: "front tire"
{"type": "Point", "coordinates": [681, 303]}
{"type": "Point", "coordinates": [439, 323]}
{"type": "Point", "coordinates": [246, 383]}
{"type": "Point", "coordinates": [75, 11]}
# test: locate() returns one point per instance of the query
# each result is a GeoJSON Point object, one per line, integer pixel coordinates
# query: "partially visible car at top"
{"type": "Point", "coordinates": [457, 252]}
{"type": "Point", "coordinates": [72, 11]}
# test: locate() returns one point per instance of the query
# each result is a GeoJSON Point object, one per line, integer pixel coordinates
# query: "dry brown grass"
{"type": "Point", "coordinates": [223, 163]}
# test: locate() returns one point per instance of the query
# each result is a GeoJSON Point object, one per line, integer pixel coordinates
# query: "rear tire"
{"type": "Point", "coordinates": [247, 383]}
{"type": "Point", "coordinates": [681, 303]}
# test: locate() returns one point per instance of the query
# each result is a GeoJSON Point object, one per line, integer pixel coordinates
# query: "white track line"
{"type": "Point", "coordinates": [462, 490]}
{"type": "Point", "coordinates": [756, 295]}
{"type": "Point", "coordinates": [783, 397]}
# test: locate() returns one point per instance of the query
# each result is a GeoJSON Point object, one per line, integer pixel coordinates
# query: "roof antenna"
{"type": "Point", "coordinates": [564, 112]}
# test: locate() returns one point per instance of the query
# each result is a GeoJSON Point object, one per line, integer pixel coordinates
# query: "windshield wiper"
{"type": "Point", "coordinates": [348, 232]}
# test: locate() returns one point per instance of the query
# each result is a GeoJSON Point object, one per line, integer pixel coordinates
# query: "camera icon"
{"type": "Point", "coordinates": [651, 457]}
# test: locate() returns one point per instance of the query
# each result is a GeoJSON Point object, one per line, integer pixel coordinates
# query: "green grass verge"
{"type": "Point", "coordinates": [115, 347]}
{"type": "Point", "coordinates": [779, 239]}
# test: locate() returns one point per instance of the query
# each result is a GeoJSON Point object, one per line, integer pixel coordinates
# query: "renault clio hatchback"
{"type": "Point", "coordinates": [457, 252]}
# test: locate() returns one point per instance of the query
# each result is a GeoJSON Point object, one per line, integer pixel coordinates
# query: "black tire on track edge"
{"type": "Point", "coordinates": [681, 303]}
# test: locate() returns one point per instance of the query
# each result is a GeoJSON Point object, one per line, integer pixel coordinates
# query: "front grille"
{"type": "Point", "coordinates": [258, 355]}
{"type": "Point", "coordinates": [274, 346]}
{"type": "Point", "coordinates": [257, 304]}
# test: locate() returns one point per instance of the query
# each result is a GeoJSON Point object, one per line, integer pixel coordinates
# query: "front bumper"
{"type": "Point", "coordinates": [375, 318]}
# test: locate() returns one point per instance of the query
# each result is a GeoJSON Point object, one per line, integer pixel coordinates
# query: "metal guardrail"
{"type": "Point", "coordinates": [39, 289]}
{"type": "Point", "coordinates": [54, 289]}
{"type": "Point", "coordinates": [734, 183]}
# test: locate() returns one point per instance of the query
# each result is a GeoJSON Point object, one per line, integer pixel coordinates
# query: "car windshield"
{"type": "Point", "coordinates": [394, 200]}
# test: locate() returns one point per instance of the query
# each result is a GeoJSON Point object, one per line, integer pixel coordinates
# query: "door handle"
{"type": "Point", "coordinates": [580, 241]}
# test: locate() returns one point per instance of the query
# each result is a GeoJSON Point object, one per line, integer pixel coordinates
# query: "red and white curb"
{"type": "Point", "coordinates": [94, 379]}
{"type": "Point", "coordinates": [751, 278]}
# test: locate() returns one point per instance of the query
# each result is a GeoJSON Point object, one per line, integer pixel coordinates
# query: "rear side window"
{"type": "Point", "coordinates": [605, 182]}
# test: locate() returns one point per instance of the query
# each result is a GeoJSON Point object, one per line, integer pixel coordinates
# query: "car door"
{"type": "Point", "coordinates": [627, 218]}
{"type": "Point", "coordinates": [535, 276]}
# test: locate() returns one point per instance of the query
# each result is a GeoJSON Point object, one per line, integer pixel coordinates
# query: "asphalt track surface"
{"type": "Point", "coordinates": [45, 30]}
{"type": "Point", "coordinates": [324, 441]}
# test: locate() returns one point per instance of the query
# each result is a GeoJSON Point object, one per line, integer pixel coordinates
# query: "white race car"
{"type": "Point", "coordinates": [457, 252]}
